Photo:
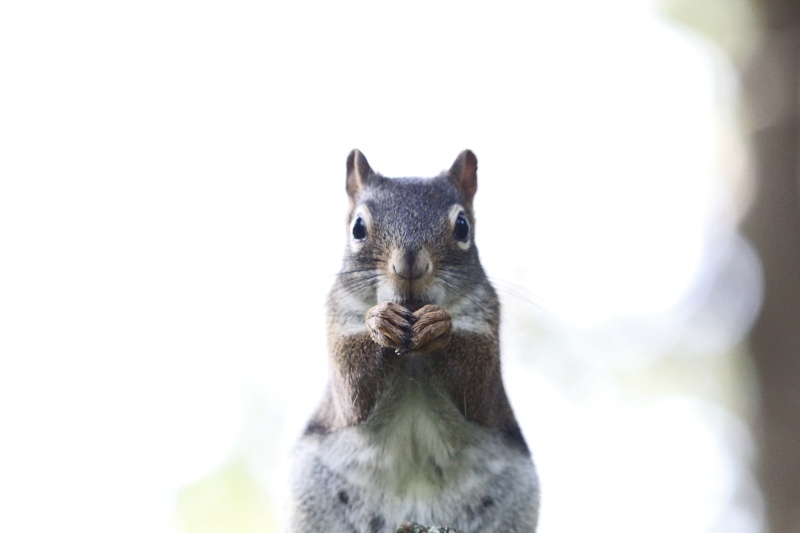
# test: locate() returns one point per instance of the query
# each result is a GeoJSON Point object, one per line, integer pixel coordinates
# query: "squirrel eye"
{"type": "Point", "coordinates": [359, 229]}
{"type": "Point", "coordinates": [461, 229]}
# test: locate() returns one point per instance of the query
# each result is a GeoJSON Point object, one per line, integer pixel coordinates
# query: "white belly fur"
{"type": "Point", "coordinates": [418, 460]}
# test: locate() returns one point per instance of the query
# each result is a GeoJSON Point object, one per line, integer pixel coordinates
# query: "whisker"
{"type": "Point", "coordinates": [350, 284]}
{"type": "Point", "coordinates": [507, 287]}
{"type": "Point", "coordinates": [518, 292]}
{"type": "Point", "coordinates": [462, 291]}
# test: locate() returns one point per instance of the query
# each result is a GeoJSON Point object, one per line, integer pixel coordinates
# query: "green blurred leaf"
{"type": "Point", "coordinates": [229, 501]}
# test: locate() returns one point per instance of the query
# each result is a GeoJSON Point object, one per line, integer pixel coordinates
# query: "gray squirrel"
{"type": "Point", "coordinates": [415, 425]}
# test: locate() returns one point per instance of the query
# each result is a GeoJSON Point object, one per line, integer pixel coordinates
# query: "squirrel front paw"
{"type": "Point", "coordinates": [413, 527]}
{"type": "Point", "coordinates": [430, 329]}
{"type": "Point", "coordinates": [390, 325]}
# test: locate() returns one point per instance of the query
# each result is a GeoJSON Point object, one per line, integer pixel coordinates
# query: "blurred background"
{"type": "Point", "coordinates": [172, 214]}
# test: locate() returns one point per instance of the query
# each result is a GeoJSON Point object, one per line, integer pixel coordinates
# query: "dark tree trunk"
{"type": "Point", "coordinates": [772, 97]}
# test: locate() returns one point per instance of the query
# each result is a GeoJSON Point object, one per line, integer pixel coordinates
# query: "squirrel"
{"type": "Point", "coordinates": [415, 425]}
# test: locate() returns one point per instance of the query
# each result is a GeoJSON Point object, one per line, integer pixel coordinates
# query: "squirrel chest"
{"type": "Point", "coordinates": [415, 424]}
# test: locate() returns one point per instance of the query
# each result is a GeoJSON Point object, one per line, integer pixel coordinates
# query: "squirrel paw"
{"type": "Point", "coordinates": [389, 325]}
{"type": "Point", "coordinates": [431, 329]}
{"type": "Point", "coordinates": [413, 527]}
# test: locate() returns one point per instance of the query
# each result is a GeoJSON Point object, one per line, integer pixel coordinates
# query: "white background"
{"type": "Point", "coordinates": [171, 214]}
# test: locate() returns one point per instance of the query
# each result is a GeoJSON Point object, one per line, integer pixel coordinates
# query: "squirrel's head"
{"type": "Point", "coordinates": [411, 240]}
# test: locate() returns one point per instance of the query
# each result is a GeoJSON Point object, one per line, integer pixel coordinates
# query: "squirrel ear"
{"type": "Point", "coordinates": [464, 174]}
{"type": "Point", "coordinates": [358, 172]}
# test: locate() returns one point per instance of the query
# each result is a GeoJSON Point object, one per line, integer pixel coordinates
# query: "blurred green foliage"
{"type": "Point", "coordinates": [230, 500]}
{"type": "Point", "coordinates": [731, 24]}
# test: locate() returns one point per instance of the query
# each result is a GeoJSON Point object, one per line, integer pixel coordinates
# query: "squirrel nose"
{"type": "Point", "coordinates": [411, 264]}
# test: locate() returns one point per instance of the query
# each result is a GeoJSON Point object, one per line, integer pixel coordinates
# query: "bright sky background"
{"type": "Point", "coordinates": [171, 214]}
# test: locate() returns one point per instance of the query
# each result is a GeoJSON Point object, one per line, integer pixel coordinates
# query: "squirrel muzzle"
{"type": "Point", "coordinates": [411, 273]}
{"type": "Point", "coordinates": [411, 265]}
